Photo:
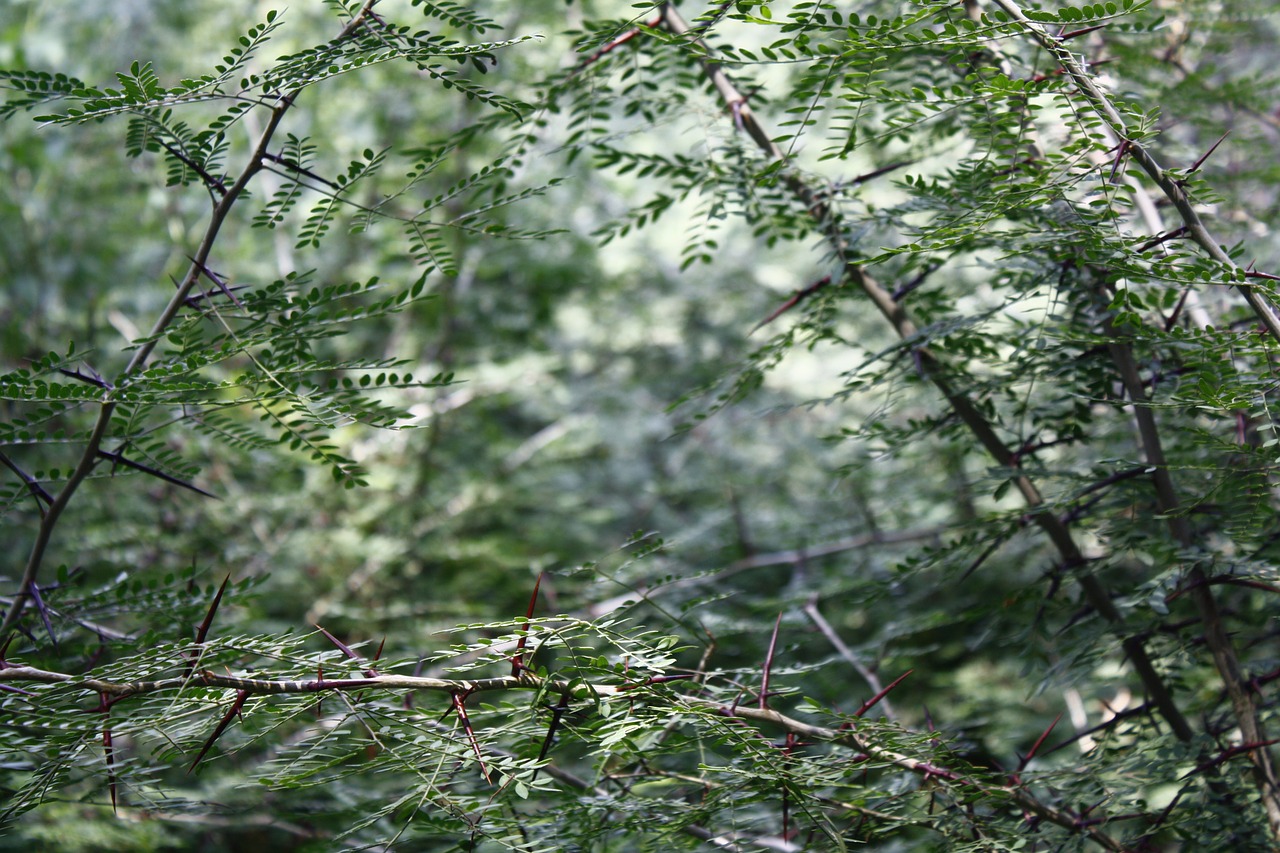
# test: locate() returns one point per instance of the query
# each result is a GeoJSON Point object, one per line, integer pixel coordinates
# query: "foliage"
{"type": "Point", "coordinates": [935, 337]}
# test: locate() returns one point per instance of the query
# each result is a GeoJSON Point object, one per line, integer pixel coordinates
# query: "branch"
{"type": "Point", "coordinates": [873, 681]}
{"type": "Point", "coordinates": [1169, 185]}
{"type": "Point", "coordinates": [935, 371]}
{"type": "Point", "coordinates": [853, 740]}
{"type": "Point", "coordinates": [270, 687]}
{"type": "Point", "coordinates": [89, 458]}
{"type": "Point", "coordinates": [847, 738]}
{"type": "Point", "coordinates": [1215, 633]}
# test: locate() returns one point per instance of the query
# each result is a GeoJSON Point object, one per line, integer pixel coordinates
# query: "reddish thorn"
{"type": "Point", "coordinates": [1121, 150]}
{"type": "Point", "coordinates": [1039, 742]}
{"type": "Point", "coordinates": [871, 703]}
{"type": "Point", "coordinates": [459, 700]}
{"type": "Point", "coordinates": [1229, 754]}
{"type": "Point", "coordinates": [108, 753]}
{"type": "Point", "coordinates": [517, 660]}
{"type": "Point", "coordinates": [1080, 32]}
{"type": "Point", "coordinates": [618, 42]}
{"type": "Point", "coordinates": [1197, 164]}
{"type": "Point", "coordinates": [370, 672]}
{"type": "Point", "coordinates": [346, 650]}
{"type": "Point", "coordinates": [768, 664]}
{"type": "Point", "coordinates": [203, 631]}
{"type": "Point", "coordinates": [241, 696]}
{"type": "Point", "coordinates": [795, 300]}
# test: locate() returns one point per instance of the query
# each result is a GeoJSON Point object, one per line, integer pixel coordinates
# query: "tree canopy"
{"type": "Point", "coordinates": [576, 426]}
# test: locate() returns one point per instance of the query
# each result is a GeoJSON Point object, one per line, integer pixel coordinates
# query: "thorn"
{"type": "Point", "coordinates": [108, 752]}
{"type": "Point", "coordinates": [370, 672]}
{"type": "Point", "coordinates": [617, 43]}
{"type": "Point", "coordinates": [1229, 754]}
{"type": "Point", "coordinates": [768, 664]}
{"type": "Point", "coordinates": [1080, 32]}
{"type": "Point", "coordinates": [7, 688]}
{"type": "Point", "coordinates": [1121, 150]}
{"type": "Point", "coordinates": [91, 378]}
{"type": "Point", "coordinates": [1163, 238]}
{"type": "Point", "coordinates": [517, 660]}
{"type": "Point", "coordinates": [216, 279]}
{"type": "Point", "coordinates": [117, 458]}
{"type": "Point", "coordinates": [557, 711]}
{"type": "Point", "coordinates": [294, 166]}
{"type": "Point", "coordinates": [904, 289]}
{"type": "Point", "coordinates": [459, 705]}
{"type": "Point", "coordinates": [209, 180]}
{"type": "Point", "coordinates": [43, 610]}
{"type": "Point", "coordinates": [883, 170]}
{"type": "Point", "coordinates": [985, 555]}
{"type": "Point", "coordinates": [871, 703]}
{"type": "Point", "coordinates": [1036, 746]}
{"type": "Point", "coordinates": [795, 300]}
{"type": "Point", "coordinates": [33, 485]}
{"type": "Point", "coordinates": [241, 696]}
{"type": "Point", "coordinates": [1195, 167]}
{"type": "Point", "coordinates": [203, 630]}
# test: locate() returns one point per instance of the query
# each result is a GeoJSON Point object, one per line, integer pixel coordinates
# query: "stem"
{"type": "Point", "coordinates": [89, 458]}
{"type": "Point", "coordinates": [844, 737]}
{"type": "Point", "coordinates": [1171, 188]}
{"type": "Point", "coordinates": [933, 368]}
{"type": "Point", "coordinates": [1215, 634]}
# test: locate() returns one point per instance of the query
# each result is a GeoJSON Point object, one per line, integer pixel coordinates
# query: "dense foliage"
{"type": "Point", "coordinates": [735, 426]}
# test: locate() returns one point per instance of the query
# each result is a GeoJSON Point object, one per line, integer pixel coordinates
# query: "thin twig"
{"type": "Point", "coordinates": [873, 681]}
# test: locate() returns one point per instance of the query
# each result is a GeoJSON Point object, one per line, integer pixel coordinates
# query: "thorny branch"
{"type": "Point", "coordinates": [934, 369]}
{"type": "Point", "coordinates": [849, 738]}
{"type": "Point", "coordinates": [1168, 184]}
{"type": "Point", "coordinates": [1216, 637]}
{"type": "Point", "coordinates": [90, 456]}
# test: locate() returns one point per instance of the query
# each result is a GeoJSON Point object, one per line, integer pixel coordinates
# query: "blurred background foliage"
{"type": "Point", "coordinates": [584, 424]}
